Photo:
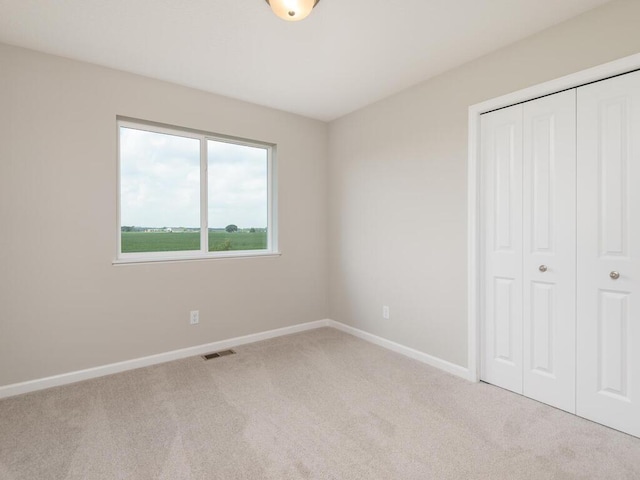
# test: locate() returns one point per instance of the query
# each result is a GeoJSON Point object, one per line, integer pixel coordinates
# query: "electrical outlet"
{"type": "Point", "coordinates": [194, 317]}
{"type": "Point", "coordinates": [385, 312]}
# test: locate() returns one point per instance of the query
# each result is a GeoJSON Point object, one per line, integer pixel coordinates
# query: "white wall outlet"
{"type": "Point", "coordinates": [385, 312]}
{"type": "Point", "coordinates": [194, 317]}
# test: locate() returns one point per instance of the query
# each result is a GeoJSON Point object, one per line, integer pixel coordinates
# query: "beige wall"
{"type": "Point", "coordinates": [397, 183]}
{"type": "Point", "coordinates": [63, 305]}
{"type": "Point", "coordinates": [394, 190]}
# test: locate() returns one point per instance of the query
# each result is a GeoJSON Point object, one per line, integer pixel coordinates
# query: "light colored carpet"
{"type": "Point", "coordinates": [316, 405]}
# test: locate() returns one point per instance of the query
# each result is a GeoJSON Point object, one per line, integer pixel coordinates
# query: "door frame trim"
{"type": "Point", "coordinates": [590, 75]}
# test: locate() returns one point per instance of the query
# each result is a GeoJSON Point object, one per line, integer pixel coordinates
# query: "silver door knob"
{"type": "Point", "coordinates": [614, 275]}
{"type": "Point", "coordinates": [542, 268]}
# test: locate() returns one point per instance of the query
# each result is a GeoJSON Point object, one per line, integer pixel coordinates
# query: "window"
{"type": "Point", "coordinates": [185, 195]}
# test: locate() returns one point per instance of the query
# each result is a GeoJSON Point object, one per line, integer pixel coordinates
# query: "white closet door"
{"type": "Point", "coordinates": [549, 244]}
{"type": "Point", "coordinates": [609, 252]}
{"type": "Point", "coordinates": [501, 160]}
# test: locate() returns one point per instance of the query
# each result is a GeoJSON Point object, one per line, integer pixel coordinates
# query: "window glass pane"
{"type": "Point", "coordinates": [237, 176]}
{"type": "Point", "coordinates": [159, 192]}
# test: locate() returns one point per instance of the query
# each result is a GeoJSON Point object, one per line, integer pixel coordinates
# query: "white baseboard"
{"type": "Point", "coordinates": [72, 377]}
{"type": "Point", "coordinates": [406, 351]}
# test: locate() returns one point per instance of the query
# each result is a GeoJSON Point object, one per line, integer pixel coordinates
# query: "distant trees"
{"type": "Point", "coordinates": [231, 228]}
{"type": "Point", "coordinates": [252, 230]}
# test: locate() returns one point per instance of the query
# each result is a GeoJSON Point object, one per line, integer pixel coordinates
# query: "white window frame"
{"type": "Point", "coordinates": [203, 253]}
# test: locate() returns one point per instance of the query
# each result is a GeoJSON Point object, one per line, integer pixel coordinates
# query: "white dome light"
{"type": "Point", "coordinates": [292, 10]}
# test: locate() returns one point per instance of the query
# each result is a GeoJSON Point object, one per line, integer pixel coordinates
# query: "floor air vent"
{"type": "Point", "coordinates": [222, 353]}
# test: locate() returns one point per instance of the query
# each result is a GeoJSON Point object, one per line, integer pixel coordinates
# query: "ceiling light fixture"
{"type": "Point", "coordinates": [292, 10]}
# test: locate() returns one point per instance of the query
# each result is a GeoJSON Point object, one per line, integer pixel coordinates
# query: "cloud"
{"type": "Point", "coordinates": [237, 185]}
{"type": "Point", "coordinates": [160, 181]}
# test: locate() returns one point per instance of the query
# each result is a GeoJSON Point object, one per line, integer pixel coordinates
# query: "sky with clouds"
{"type": "Point", "coordinates": [160, 182]}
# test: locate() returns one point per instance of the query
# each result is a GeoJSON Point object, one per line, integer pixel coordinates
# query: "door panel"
{"type": "Point", "coordinates": [504, 316]}
{"type": "Point", "coordinates": [542, 338]}
{"type": "Point", "coordinates": [613, 359]}
{"type": "Point", "coordinates": [501, 160]}
{"type": "Point", "coordinates": [608, 330]}
{"type": "Point", "coordinates": [549, 236]}
{"type": "Point", "coordinates": [612, 172]}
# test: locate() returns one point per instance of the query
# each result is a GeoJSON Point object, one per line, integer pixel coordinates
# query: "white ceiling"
{"type": "Point", "coordinates": [347, 54]}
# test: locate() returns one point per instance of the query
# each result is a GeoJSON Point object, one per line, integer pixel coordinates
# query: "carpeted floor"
{"type": "Point", "coordinates": [318, 405]}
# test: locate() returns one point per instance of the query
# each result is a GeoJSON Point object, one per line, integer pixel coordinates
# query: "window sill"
{"type": "Point", "coordinates": [139, 260]}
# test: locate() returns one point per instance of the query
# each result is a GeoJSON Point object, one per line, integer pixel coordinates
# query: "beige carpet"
{"type": "Point", "coordinates": [318, 405]}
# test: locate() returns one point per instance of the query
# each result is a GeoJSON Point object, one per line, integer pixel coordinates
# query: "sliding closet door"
{"type": "Point", "coordinates": [609, 252]}
{"type": "Point", "coordinates": [549, 242]}
{"type": "Point", "coordinates": [501, 164]}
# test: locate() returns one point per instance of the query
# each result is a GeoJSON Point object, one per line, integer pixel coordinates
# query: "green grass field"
{"type": "Point", "coordinates": [174, 242]}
